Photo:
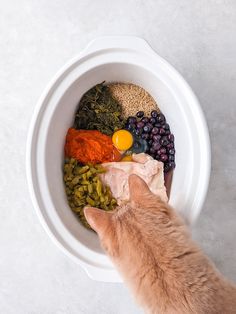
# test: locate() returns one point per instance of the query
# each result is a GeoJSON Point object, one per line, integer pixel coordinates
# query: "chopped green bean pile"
{"type": "Point", "coordinates": [84, 188]}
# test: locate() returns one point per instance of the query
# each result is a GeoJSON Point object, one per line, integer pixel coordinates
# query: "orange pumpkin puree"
{"type": "Point", "coordinates": [90, 146]}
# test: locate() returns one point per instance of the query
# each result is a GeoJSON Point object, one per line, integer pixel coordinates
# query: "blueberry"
{"type": "Point", "coordinates": [166, 126]}
{"type": "Point", "coordinates": [152, 150]}
{"type": "Point", "coordinates": [164, 157]}
{"type": "Point", "coordinates": [131, 126]}
{"type": "Point", "coordinates": [140, 114]}
{"type": "Point", "coordinates": [158, 125]}
{"type": "Point", "coordinates": [171, 158]}
{"type": "Point", "coordinates": [154, 113]}
{"type": "Point", "coordinates": [170, 145]}
{"type": "Point", "coordinates": [171, 137]}
{"type": "Point", "coordinates": [155, 130]}
{"type": "Point", "coordinates": [149, 125]}
{"type": "Point", "coordinates": [140, 125]}
{"type": "Point", "coordinates": [164, 141]}
{"type": "Point", "coordinates": [145, 120]}
{"type": "Point", "coordinates": [132, 120]}
{"type": "Point", "coordinates": [156, 146]}
{"type": "Point", "coordinates": [161, 118]}
{"type": "Point", "coordinates": [162, 131]}
{"type": "Point", "coordinates": [166, 167]}
{"type": "Point", "coordinates": [163, 151]}
{"type": "Point", "coordinates": [138, 132]}
{"type": "Point", "coordinates": [172, 151]}
{"type": "Point", "coordinates": [152, 120]}
{"type": "Point", "coordinates": [150, 142]}
{"type": "Point", "coordinates": [158, 157]}
{"type": "Point", "coordinates": [167, 132]}
{"type": "Point", "coordinates": [156, 138]}
{"type": "Point", "coordinates": [145, 136]}
{"type": "Point", "coordinates": [146, 128]}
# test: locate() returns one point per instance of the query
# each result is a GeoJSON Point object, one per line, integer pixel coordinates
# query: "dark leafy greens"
{"type": "Point", "coordinates": [98, 110]}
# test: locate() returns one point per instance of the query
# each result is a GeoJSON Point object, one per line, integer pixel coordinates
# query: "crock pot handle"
{"type": "Point", "coordinates": [100, 274]}
{"type": "Point", "coordinates": [125, 42]}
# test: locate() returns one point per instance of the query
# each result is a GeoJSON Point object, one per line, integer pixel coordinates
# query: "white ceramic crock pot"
{"type": "Point", "coordinates": [113, 59]}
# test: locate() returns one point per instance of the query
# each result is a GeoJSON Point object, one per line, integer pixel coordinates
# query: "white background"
{"type": "Point", "coordinates": [36, 39]}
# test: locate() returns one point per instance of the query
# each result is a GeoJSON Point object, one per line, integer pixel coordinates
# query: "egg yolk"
{"type": "Point", "coordinates": [122, 139]}
{"type": "Point", "coordinates": [127, 158]}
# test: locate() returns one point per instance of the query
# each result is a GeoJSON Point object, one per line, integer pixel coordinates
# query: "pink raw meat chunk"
{"type": "Point", "coordinates": [143, 165]}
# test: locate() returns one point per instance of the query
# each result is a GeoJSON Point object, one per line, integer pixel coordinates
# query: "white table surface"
{"type": "Point", "coordinates": [36, 39]}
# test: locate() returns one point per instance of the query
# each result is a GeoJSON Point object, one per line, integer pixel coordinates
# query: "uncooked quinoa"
{"type": "Point", "coordinates": [133, 98]}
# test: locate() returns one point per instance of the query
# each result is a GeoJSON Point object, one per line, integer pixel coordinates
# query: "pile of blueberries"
{"type": "Point", "coordinates": [157, 135]}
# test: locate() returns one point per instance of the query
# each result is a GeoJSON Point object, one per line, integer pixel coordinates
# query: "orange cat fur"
{"type": "Point", "coordinates": [152, 249]}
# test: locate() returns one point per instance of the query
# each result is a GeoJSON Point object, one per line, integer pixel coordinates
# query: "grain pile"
{"type": "Point", "coordinates": [133, 98]}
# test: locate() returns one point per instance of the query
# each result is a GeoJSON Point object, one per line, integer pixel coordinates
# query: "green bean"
{"type": "Point", "coordinates": [84, 187]}
{"type": "Point", "coordinates": [90, 188]}
{"type": "Point", "coordinates": [85, 182]}
{"type": "Point", "coordinates": [83, 169]}
{"type": "Point", "coordinates": [90, 201]}
{"type": "Point", "coordinates": [99, 188]}
{"type": "Point", "coordinates": [75, 180]}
